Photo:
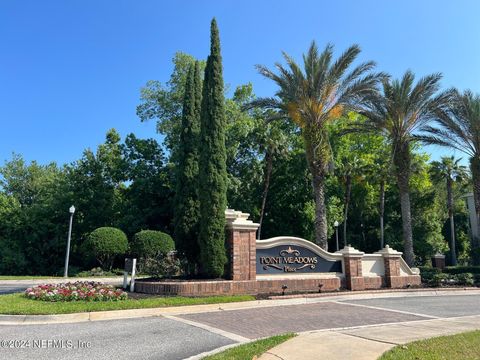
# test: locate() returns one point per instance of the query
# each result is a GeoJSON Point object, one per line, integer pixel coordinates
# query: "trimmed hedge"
{"type": "Point", "coordinates": [427, 274]}
{"type": "Point", "coordinates": [458, 275]}
{"type": "Point", "coordinates": [151, 243]}
{"type": "Point", "coordinates": [106, 243]}
{"type": "Point", "coordinates": [462, 269]}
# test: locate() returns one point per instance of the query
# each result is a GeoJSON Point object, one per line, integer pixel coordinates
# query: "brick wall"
{"type": "Point", "coordinates": [231, 287]}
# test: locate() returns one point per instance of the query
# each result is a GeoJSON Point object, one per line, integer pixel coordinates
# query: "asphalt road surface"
{"type": "Point", "coordinates": [10, 288]}
{"type": "Point", "coordinates": [147, 338]}
{"type": "Point", "coordinates": [187, 335]}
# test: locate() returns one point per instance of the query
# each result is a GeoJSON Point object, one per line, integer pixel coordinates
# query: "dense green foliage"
{"type": "Point", "coordinates": [212, 164]}
{"type": "Point", "coordinates": [106, 243]}
{"type": "Point", "coordinates": [151, 243]}
{"type": "Point", "coordinates": [126, 185]}
{"type": "Point", "coordinates": [187, 206]}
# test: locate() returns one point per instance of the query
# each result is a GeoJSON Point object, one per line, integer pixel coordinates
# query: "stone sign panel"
{"type": "Point", "coordinates": [281, 256]}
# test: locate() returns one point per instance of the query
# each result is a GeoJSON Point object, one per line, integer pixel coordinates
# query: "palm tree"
{"type": "Point", "coordinates": [314, 96]}
{"type": "Point", "coordinates": [460, 130]}
{"type": "Point", "coordinates": [402, 110]}
{"type": "Point", "coordinates": [450, 170]}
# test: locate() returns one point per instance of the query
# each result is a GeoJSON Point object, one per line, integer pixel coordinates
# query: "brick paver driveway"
{"type": "Point", "coordinates": [260, 322]}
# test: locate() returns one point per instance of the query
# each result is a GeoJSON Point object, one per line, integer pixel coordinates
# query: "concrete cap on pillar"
{"type": "Point", "coordinates": [239, 220]}
{"type": "Point", "coordinates": [387, 251]}
{"type": "Point", "coordinates": [350, 251]}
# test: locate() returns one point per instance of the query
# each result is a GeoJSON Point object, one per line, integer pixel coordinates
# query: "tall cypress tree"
{"type": "Point", "coordinates": [212, 170]}
{"type": "Point", "coordinates": [198, 98]}
{"type": "Point", "coordinates": [187, 205]}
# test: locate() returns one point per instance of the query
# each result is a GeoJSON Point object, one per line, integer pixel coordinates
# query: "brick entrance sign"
{"type": "Point", "coordinates": [290, 264]}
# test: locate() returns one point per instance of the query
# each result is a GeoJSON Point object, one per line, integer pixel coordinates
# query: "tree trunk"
{"type": "Point", "coordinates": [268, 173]}
{"type": "Point", "coordinates": [317, 151]}
{"type": "Point", "coordinates": [382, 212]}
{"type": "Point", "coordinates": [475, 168]}
{"type": "Point", "coordinates": [453, 255]}
{"type": "Point", "coordinates": [348, 189]}
{"type": "Point", "coordinates": [320, 211]}
{"type": "Point", "coordinates": [402, 168]}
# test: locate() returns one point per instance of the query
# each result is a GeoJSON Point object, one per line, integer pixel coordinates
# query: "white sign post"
{"type": "Point", "coordinates": [130, 267]}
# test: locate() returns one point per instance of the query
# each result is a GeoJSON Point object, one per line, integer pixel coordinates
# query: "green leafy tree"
{"type": "Point", "coordinates": [362, 167]}
{"type": "Point", "coordinates": [164, 102]}
{"type": "Point", "coordinates": [449, 169]}
{"type": "Point", "coordinates": [314, 97]}
{"type": "Point", "coordinates": [34, 216]}
{"type": "Point", "coordinates": [379, 171]}
{"type": "Point", "coordinates": [96, 183]}
{"type": "Point", "coordinates": [146, 201]}
{"type": "Point", "coordinates": [402, 109]}
{"type": "Point", "coordinates": [460, 129]}
{"type": "Point", "coordinates": [187, 205]}
{"type": "Point", "coordinates": [106, 243]}
{"type": "Point", "coordinates": [349, 168]}
{"type": "Point", "coordinates": [274, 144]}
{"type": "Point", "coordinates": [212, 164]}
{"type": "Point", "coordinates": [244, 154]}
{"type": "Point", "coordinates": [12, 256]}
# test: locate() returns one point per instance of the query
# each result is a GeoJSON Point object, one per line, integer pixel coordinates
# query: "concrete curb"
{"type": "Point", "coordinates": [190, 309]}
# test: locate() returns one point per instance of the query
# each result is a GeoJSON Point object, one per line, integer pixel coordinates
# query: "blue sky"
{"type": "Point", "coordinates": [71, 70]}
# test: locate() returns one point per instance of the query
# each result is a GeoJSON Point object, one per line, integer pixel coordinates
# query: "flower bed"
{"type": "Point", "coordinates": [76, 291]}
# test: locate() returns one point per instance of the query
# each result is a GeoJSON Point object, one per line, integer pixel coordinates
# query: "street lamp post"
{"type": "Point", "coordinates": [67, 255]}
{"type": "Point", "coordinates": [336, 232]}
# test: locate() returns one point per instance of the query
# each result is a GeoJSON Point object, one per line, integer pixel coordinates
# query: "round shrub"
{"type": "Point", "coordinates": [106, 243]}
{"type": "Point", "coordinates": [151, 244]}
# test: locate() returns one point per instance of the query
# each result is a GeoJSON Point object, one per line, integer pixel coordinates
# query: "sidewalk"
{"type": "Point", "coordinates": [368, 342]}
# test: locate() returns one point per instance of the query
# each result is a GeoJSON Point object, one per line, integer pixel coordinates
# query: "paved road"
{"type": "Point", "coordinates": [436, 306]}
{"type": "Point", "coordinates": [10, 288]}
{"type": "Point", "coordinates": [186, 335]}
{"type": "Point", "coordinates": [149, 338]}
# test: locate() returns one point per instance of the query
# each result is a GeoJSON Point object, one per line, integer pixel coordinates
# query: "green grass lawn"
{"type": "Point", "coordinates": [26, 277]}
{"type": "Point", "coordinates": [464, 346]}
{"type": "Point", "coordinates": [248, 351]}
{"type": "Point", "coordinates": [17, 304]}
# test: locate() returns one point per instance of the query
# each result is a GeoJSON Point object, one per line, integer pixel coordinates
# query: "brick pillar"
{"type": "Point", "coordinates": [391, 260]}
{"type": "Point", "coordinates": [352, 261]}
{"type": "Point", "coordinates": [241, 245]}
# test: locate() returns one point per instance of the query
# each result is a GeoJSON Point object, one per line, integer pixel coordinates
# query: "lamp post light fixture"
{"type": "Point", "coordinates": [67, 255]}
{"type": "Point", "coordinates": [336, 232]}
